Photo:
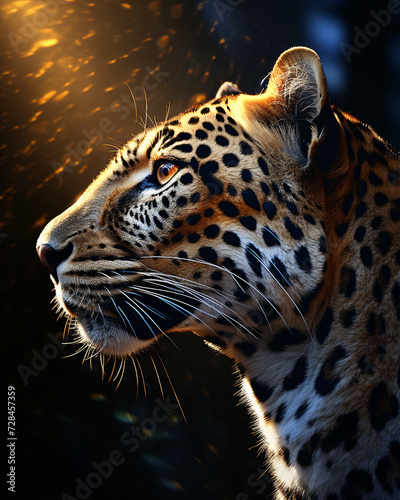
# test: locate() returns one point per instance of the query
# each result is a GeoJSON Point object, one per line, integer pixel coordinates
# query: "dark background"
{"type": "Point", "coordinates": [65, 66]}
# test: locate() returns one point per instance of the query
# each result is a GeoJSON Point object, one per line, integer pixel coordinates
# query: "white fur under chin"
{"type": "Point", "coordinates": [114, 341]}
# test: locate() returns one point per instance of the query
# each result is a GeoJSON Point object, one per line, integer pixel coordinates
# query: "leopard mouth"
{"type": "Point", "coordinates": [107, 335]}
{"type": "Point", "coordinates": [123, 324]}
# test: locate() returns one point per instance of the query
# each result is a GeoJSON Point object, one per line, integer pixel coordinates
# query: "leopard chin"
{"type": "Point", "coordinates": [109, 337]}
{"type": "Point", "coordinates": [97, 332]}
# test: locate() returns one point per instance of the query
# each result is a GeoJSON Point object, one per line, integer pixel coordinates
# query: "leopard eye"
{"type": "Point", "coordinates": [166, 171]}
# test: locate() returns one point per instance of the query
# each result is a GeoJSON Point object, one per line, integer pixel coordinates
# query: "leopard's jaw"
{"type": "Point", "coordinates": [267, 225]}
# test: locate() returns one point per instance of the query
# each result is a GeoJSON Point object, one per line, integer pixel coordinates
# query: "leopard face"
{"type": "Point", "coordinates": [194, 225]}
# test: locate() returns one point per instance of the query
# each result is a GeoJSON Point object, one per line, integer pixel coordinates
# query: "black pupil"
{"type": "Point", "coordinates": [165, 170]}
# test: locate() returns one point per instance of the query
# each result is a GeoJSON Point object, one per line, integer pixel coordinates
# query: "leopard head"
{"type": "Point", "coordinates": [210, 222]}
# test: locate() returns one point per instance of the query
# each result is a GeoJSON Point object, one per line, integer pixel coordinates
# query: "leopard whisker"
{"type": "Point", "coordinates": [136, 374]}
{"type": "Point", "coordinates": [168, 109]}
{"type": "Point", "coordinates": [66, 327]}
{"type": "Point", "coordinates": [119, 311]}
{"type": "Point", "coordinates": [82, 348]}
{"type": "Point", "coordinates": [154, 311]}
{"type": "Point", "coordinates": [104, 274]}
{"type": "Point", "coordinates": [139, 307]}
{"type": "Point", "coordinates": [283, 289]}
{"type": "Point", "coordinates": [112, 371]}
{"type": "Point", "coordinates": [141, 373]}
{"type": "Point", "coordinates": [189, 282]}
{"type": "Point", "coordinates": [101, 311]}
{"type": "Point", "coordinates": [135, 307]}
{"type": "Point", "coordinates": [173, 388]}
{"type": "Point", "coordinates": [134, 100]}
{"type": "Point", "coordinates": [121, 366]}
{"type": "Point", "coordinates": [207, 299]}
{"type": "Point", "coordinates": [130, 324]}
{"type": "Point", "coordinates": [147, 290]}
{"type": "Point", "coordinates": [198, 295]}
{"type": "Point", "coordinates": [158, 376]}
{"type": "Point", "coordinates": [173, 304]}
{"type": "Point", "coordinates": [122, 373]}
{"type": "Point", "coordinates": [280, 273]}
{"type": "Point", "coordinates": [102, 364]}
{"type": "Point", "coordinates": [90, 353]}
{"type": "Point", "coordinates": [231, 274]}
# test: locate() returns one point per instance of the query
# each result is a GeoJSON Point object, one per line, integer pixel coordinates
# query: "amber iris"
{"type": "Point", "coordinates": [165, 172]}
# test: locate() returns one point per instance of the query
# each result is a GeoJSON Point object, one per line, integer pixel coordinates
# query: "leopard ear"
{"type": "Point", "coordinates": [293, 106]}
{"type": "Point", "coordinates": [298, 83]}
{"type": "Point", "coordinates": [228, 88]}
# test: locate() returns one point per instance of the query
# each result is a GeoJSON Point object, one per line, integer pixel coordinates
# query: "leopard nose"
{"type": "Point", "coordinates": [52, 258]}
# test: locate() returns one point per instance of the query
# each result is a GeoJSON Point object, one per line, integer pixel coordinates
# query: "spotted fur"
{"type": "Point", "coordinates": [268, 225]}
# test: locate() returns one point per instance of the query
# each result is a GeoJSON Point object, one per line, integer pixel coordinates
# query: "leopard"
{"type": "Point", "coordinates": [268, 225]}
